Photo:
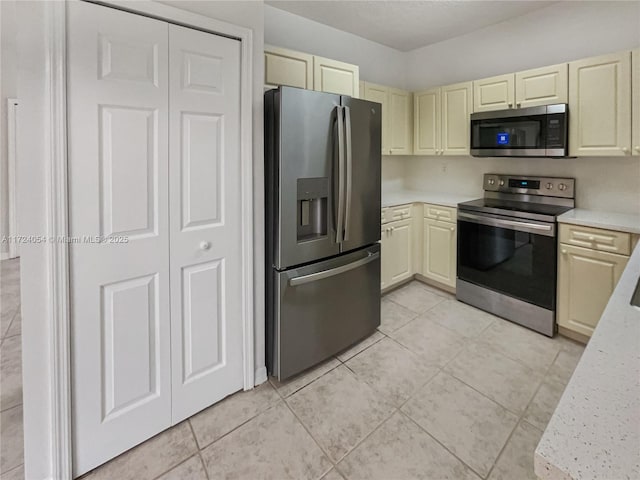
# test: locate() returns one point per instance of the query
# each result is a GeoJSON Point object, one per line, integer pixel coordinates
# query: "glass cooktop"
{"type": "Point", "coordinates": [515, 209]}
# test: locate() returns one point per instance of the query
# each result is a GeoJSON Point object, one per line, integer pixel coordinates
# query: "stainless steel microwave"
{"type": "Point", "coordinates": [523, 132]}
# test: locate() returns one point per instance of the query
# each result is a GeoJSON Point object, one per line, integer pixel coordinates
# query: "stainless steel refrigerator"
{"type": "Point", "coordinates": [322, 171]}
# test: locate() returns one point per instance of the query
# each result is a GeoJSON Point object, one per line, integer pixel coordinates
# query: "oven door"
{"type": "Point", "coordinates": [511, 256]}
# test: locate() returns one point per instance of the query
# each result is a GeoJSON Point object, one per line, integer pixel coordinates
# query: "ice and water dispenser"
{"type": "Point", "coordinates": [313, 194]}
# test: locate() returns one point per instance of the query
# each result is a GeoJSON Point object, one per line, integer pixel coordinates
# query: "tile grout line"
{"type": "Point", "coordinates": [12, 470]}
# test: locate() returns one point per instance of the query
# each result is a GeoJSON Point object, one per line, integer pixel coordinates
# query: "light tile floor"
{"type": "Point", "coordinates": [441, 391]}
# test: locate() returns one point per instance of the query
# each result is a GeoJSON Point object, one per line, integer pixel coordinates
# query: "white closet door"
{"type": "Point", "coordinates": [205, 212]}
{"type": "Point", "coordinates": [118, 186]}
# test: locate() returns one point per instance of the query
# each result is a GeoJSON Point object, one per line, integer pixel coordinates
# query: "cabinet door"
{"type": "Point", "coordinates": [399, 256]}
{"type": "Point", "coordinates": [118, 180]}
{"type": "Point", "coordinates": [400, 114]}
{"type": "Point", "coordinates": [287, 67]}
{"type": "Point", "coordinates": [439, 252]}
{"type": "Point", "coordinates": [426, 128]}
{"type": "Point", "coordinates": [380, 94]}
{"type": "Point", "coordinates": [635, 104]}
{"type": "Point", "coordinates": [495, 93]}
{"type": "Point", "coordinates": [205, 220]}
{"type": "Point", "coordinates": [586, 280]}
{"type": "Point", "coordinates": [361, 89]}
{"type": "Point", "coordinates": [600, 105]}
{"type": "Point", "coordinates": [542, 86]}
{"type": "Point", "coordinates": [384, 254]}
{"type": "Point", "coordinates": [333, 76]}
{"type": "Point", "coordinates": [457, 103]}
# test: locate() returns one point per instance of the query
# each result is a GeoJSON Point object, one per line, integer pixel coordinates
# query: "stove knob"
{"type": "Point", "coordinates": [562, 187]}
{"type": "Point", "coordinates": [502, 183]}
{"type": "Point", "coordinates": [491, 181]}
{"type": "Point", "coordinates": [549, 186]}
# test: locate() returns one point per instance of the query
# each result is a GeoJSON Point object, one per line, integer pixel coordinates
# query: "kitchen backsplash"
{"type": "Point", "coordinates": [605, 184]}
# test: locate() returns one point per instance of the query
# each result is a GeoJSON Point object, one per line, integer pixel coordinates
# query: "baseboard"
{"type": "Point", "coordinates": [435, 283]}
{"type": "Point", "coordinates": [260, 376]}
{"type": "Point", "coordinates": [578, 337]}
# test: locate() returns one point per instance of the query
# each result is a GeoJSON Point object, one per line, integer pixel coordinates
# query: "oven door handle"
{"type": "Point", "coordinates": [540, 228]}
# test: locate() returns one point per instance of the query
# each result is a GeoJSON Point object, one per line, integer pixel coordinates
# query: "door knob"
{"type": "Point", "coordinates": [204, 245]}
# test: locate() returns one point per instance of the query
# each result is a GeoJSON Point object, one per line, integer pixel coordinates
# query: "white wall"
{"type": "Point", "coordinates": [605, 184]}
{"type": "Point", "coordinates": [8, 89]}
{"type": "Point", "coordinates": [378, 63]}
{"type": "Point", "coordinates": [558, 33]}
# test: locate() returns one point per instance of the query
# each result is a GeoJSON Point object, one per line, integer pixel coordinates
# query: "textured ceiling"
{"type": "Point", "coordinates": [407, 25]}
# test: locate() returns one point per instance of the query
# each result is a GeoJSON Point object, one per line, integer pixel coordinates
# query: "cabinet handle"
{"type": "Point", "coordinates": [637, 148]}
{"type": "Point", "coordinates": [392, 230]}
{"type": "Point", "coordinates": [592, 239]}
{"type": "Point", "coordinates": [510, 105]}
{"type": "Point", "coordinates": [624, 150]}
{"type": "Point", "coordinates": [453, 229]}
{"type": "Point", "coordinates": [204, 245]}
{"type": "Point", "coordinates": [518, 104]}
{"type": "Point", "coordinates": [564, 252]}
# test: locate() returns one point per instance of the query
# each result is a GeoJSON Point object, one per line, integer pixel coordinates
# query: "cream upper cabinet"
{"type": "Point", "coordinates": [635, 103]}
{"type": "Point", "coordinates": [426, 126]}
{"type": "Point", "coordinates": [399, 121]}
{"type": "Point", "coordinates": [287, 67]}
{"type": "Point", "coordinates": [586, 280]}
{"type": "Point", "coordinates": [380, 94]}
{"type": "Point", "coordinates": [600, 105]}
{"type": "Point", "coordinates": [542, 86]}
{"type": "Point", "coordinates": [457, 104]}
{"type": "Point", "coordinates": [336, 77]}
{"type": "Point", "coordinates": [361, 89]}
{"type": "Point", "coordinates": [495, 93]}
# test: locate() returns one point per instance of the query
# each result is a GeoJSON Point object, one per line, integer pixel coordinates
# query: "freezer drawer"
{"type": "Point", "coordinates": [323, 308]}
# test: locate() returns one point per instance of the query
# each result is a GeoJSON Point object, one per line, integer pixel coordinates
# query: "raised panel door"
{"type": "Point", "coordinates": [119, 254]}
{"type": "Point", "coordinates": [439, 252]}
{"type": "Point", "coordinates": [586, 280]}
{"type": "Point", "coordinates": [542, 86]}
{"type": "Point", "coordinates": [384, 257]}
{"type": "Point", "coordinates": [457, 104]}
{"type": "Point", "coordinates": [287, 67]}
{"type": "Point", "coordinates": [399, 250]}
{"type": "Point", "coordinates": [426, 128]}
{"type": "Point", "coordinates": [399, 122]}
{"type": "Point", "coordinates": [495, 93]}
{"type": "Point", "coordinates": [380, 94]}
{"type": "Point", "coordinates": [635, 101]}
{"type": "Point", "coordinates": [600, 105]}
{"type": "Point", "coordinates": [205, 219]}
{"type": "Point", "coordinates": [333, 76]}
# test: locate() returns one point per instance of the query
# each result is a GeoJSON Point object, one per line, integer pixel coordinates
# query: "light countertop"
{"type": "Point", "coordinates": [613, 221]}
{"type": "Point", "coordinates": [402, 197]}
{"type": "Point", "coordinates": [595, 430]}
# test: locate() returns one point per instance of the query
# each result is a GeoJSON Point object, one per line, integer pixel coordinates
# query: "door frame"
{"type": "Point", "coordinates": [57, 282]}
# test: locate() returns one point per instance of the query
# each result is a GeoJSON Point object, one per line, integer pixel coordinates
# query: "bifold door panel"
{"type": "Point", "coordinates": [136, 86]}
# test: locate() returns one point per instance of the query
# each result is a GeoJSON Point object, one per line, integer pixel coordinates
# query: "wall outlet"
{"type": "Point", "coordinates": [443, 168]}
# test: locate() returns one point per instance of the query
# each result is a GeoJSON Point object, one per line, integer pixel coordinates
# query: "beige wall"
{"type": "Point", "coordinates": [605, 184]}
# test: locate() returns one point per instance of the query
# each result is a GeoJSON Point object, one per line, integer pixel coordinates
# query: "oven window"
{"type": "Point", "coordinates": [508, 133]}
{"type": "Point", "coordinates": [518, 264]}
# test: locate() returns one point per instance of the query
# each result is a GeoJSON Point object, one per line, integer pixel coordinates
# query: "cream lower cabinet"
{"type": "Point", "coordinates": [600, 106]}
{"type": "Point", "coordinates": [635, 101]}
{"type": "Point", "coordinates": [439, 244]}
{"type": "Point", "coordinates": [397, 258]}
{"type": "Point", "coordinates": [590, 262]}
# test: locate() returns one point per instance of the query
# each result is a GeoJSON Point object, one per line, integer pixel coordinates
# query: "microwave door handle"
{"type": "Point", "coordinates": [349, 179]}
{"type": "Point", "coordinates": [503, 222]}
{"type": "Point", "coordinates": [340, 173]}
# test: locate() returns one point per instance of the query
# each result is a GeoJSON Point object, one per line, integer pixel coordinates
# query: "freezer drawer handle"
{"type": "Point", "coordinates": [294, 282]}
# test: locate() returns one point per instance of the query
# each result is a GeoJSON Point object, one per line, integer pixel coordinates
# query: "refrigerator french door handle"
{"type": "Point", "coordinates": [340, 222]}
{"type": "Point", "coordinates": [349, 181]}
{"type": "Point", "coordinates": [313, 277]}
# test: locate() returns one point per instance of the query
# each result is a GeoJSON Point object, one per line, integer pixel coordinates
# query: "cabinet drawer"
{"type": "Point", "coordinates": [596, 239]}
{"type": "Point", "coordinates": [393, 214]}
{"type": "Point", "coordinates": [438, 212]}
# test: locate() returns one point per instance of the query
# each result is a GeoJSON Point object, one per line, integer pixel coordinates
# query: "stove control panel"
{"type": "Point", "coordinates": [530, 185]}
